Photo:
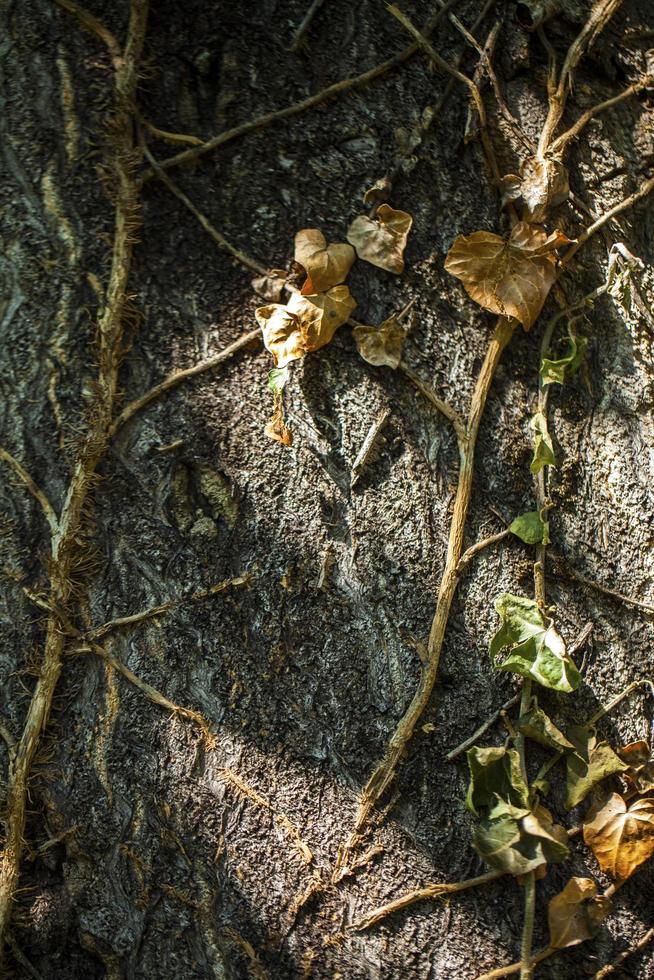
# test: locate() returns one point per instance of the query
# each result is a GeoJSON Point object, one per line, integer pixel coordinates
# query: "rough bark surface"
{"type": "Point", "coordinates": [168, 868]}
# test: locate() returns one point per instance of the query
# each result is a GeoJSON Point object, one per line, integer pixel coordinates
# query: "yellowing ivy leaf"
{"type": "Point", "coordinates": [543, 448]}
{"type": "Point", "coordinates": [529, 527]}
{"type": "Point", "coordinates": [511, 276]}
{"type": "Point", "coordinates": [381, 240]}
{"type": "Point", "coordinates": [535, 724]}
{"type": "Point", "coordinates": [576, 913]}
{"type": "Point", "coordinates": [534, 647]}
{"type": "Point", "coordinates": [589, 763]}
{"type": "Point", "coordinates": [621, 837]}
{"type": "Point", "coordinates": [556, 371]}
{"type": "Point", "coordinates": [639, 774]}
{"type": "Point", "coordinates": [517, 841]}
{"type": "Point", "coordinates": [381, 345]}
{"type": "Point", "coordinates": [325, 265]}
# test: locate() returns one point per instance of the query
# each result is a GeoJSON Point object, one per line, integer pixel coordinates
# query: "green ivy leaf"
{"type": "Point", "coordinates": [529, 527]}
{"type": "Point", "coordinates": [518, 841]}
{"type": "Point", "coordinates": [277, 378]}
{"type": "Point", "coordinates": [557, 371]}
{"type": "Point", "coordinates": [589, 763]}
{"type": "Point", "coordinates": [534, 647]}
{"type": "Point", "coordinates": [495, 773]}
{"type": "Point", "coordinates": [539, 727]}
{"type": "Point", "coordinates": [543, 448]}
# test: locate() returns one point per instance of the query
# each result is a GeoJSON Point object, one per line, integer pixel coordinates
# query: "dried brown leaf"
{"type": "Point", "coordinates": [304, 324]}
{"type": "Point", "coordinates": [325, 265]}
{"type": "Point", "coordinates": [276, 428]}
{"type": "Point", "coordinates": [510, 277]}
{"type": "Point", "coordinates": [270, 286]}
{"type": "Point", "coordinates": [576, 913]}
{"type": "Point", "coordinates": [621, 837]}
{"type": "Point", "coordinates": [378, 192]}
{"type": "Point", "coordinates": [319, 316]}
{"type": "Point", "coordinates": [381, 240]}
{"type": "Point", "coordinates": [381, 345]}
{"type": "Point", "coordinates": [640, 774]}
{"type": "Point", "coordinates": [543, 185]}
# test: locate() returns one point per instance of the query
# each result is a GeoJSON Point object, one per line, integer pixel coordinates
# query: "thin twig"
{"type": "Point", "coordinates": [560, 145]}
{"type": "Point", "coordinates": [443, 407]}
{"type": "Point", "coordinates": [177, 377]}
{"type": "Point", "coordinates": [507, 971]}
{"type": "Point", "coordinates": [646, 188]}
{"type": "Point", "coordinates": [298, 37]}
{"type": "Point", "coordinates": [564, 570]}
{"type": "Point", "coordinates": [483, 728]}
{"type": "Point", "coordinates": [37, 493]}
{"type": "Point", "coordinates": [368, 446]}
{"type": "Point", "coordinates": [459, 77]}
{"type": "Point", "coordinates": [474, 549]}
{"type": "Point", "coordinates": [425, 894]}
{"type": "Point", "coordinates": [217, 236]}
{"type": "Point", "coordinates": [615, 964]}
{"type": "Point", "coordinates": [338, 88]}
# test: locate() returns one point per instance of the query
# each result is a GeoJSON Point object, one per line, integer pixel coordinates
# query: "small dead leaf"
{"type": "Point", "coordinates": [270, 286]}
{"type": "Point", "coordinates": [381, 345]}
{"type": "Point", "coordinates": [640, 761]}
{"type": "Point", "coordinates": [510, 277]}
{"type": "Point", "coordinates": [543, 185]}
{"type": "Point", "coordinates": [576, 913]}
{"type": "Point", "coordinates": [381, 240]}
{"type": "Point", "coordinates": [276, 428]}
{"type": "Point", "coordinates": [378, 193]}
{"type": "Point", "coordinates": [281, 333]}
{"type": "Point", "coordinates": [325, 265]}
{"type": "Point", "coordinates": [621, 837]}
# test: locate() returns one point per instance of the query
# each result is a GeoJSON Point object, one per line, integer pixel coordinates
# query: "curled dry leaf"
{"type": "Point", "coordinates": [542, 184]}
{"type": "Point", "coordinates": [509, 277]}
{"type": "Point", "coordinates": [621, 837]}
{"type": "Point", "coordinates": [379, 192]}
{"type": "Point", "coordinates": [325, 265]}
{"type": "Point", "coordinates": [276, 428]}
{"type": "Point", "coordinates": [304, 324]}
{"type": "Point", "coordinates": [381, 345]}
{"type": "Point", "coordinates": [576, 913]}
{"type": "Point", "coordinates": [381, 240]}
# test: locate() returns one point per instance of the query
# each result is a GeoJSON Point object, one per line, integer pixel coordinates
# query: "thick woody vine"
{"type": "Point", "coordinates": [510, 275]}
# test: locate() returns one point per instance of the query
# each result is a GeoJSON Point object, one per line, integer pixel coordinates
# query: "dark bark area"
{"type": "Point", "coordinates": [167, 867]}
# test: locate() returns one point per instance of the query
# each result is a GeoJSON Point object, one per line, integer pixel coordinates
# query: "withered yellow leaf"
{"type": "Point", "coordinates": [319, 316]}
{"type": "Point", "coordinates": [640, 761]}
{"type": "Point", "coordinates": [281, 333]}
{"type": "Point", "coordinates": [381, 240]}
{"type": "Point", "coordinates": [511, 276]}
{"type": "Point", "coordinates": [576, 913]}
{"type": "Point", "coordinates": [621, 837]}
{"type": "Point", "coordinates": [270, 286]}
{"type": "Point", "coordinates": [381, 345]}
{"type": "Point", "coordinates": [325, 265]}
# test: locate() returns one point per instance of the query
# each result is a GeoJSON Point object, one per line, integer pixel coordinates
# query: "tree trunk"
{"type": "Point", "coordinates": [202, 843]}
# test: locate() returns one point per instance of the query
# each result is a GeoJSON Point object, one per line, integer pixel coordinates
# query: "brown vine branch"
{"type": "Point", "coordinates": [338, 88]}
{"type": "Point", "coordinates": [560, 145]}
{"type": "Point", "coordinates": [443, 407]}
{"type": "Point", "coordinates": [385, 771]}
{"type": "Point", "coordinates": [565, 571]}
{"type": "Point", "coordinates": [646, 188]}
{"type": "Point", "coordinates": [483, 728]}
{"type": "Point", "coordinates": [177, 377]}
{"type": "Point", "coordinates": [37, 493]}
{"type": "Point", "coordinates": [610, 968]}
{"type": "Point", "coordinates": [91, 23]}
{"type": "Point", "coordinates": [599, 17]}
{"type": "Point", "coordinates": [66, 537]}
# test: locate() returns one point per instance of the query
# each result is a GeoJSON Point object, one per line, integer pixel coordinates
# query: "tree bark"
{"type": "Point", "coordinates": [202, 842]}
